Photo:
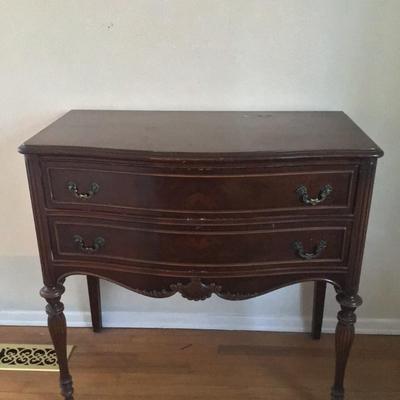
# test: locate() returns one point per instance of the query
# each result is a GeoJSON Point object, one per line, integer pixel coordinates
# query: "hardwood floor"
{"type": "Point", "coordinates": [156, 364]}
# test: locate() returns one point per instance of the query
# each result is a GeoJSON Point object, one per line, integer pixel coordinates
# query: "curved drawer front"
{"type": "Point", "coordinates": [306, 189]}
{"type": "Point", "coordinates": [197, 249]}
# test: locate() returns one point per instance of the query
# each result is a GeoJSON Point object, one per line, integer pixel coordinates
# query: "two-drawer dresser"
{"type": "Point", "coordinates": [232, 204]}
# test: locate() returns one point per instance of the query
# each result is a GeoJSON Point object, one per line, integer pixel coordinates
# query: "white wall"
{"type": "Point", "coordinates": [205, 54]}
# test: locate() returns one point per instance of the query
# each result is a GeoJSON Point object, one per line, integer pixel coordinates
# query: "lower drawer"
{"type": "Point", "coordinates": [199, 248]}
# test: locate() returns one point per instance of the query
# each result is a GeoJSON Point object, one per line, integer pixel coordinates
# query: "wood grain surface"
{"type": "Point", "coordinates": [144, 364]}
{"type": "Point", "coordinates": [203, 134]}
{"type": "Point", "coordinates": [233, 204]}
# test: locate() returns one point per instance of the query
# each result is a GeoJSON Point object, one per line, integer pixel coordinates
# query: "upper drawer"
{"type": "Point", "coordinates": [305, 189]}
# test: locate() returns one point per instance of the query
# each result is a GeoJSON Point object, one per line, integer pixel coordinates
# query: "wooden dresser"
{"type": "Point", "coordinates": [232, 204]}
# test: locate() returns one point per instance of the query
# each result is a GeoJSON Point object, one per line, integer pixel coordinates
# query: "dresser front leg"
{"type": "Point", "coordinates": [58, 332]}
{"type": "Point", "coordinates": [344, 339]}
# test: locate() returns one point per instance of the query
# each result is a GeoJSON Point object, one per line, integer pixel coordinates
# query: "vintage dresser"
{"type": "Point", "coordinates": [232, 204]}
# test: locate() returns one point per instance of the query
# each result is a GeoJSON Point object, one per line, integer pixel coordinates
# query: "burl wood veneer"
{"type": "Point", "coordinates": [234, 204]}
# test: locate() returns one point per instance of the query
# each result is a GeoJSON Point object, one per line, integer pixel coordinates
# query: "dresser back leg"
{"type": "Point", "coordinates": [318, 309]}
{"type": "Point", "coordinates": [344, 339]}
{"type": "Point", "coordinates": [95, 302]}
{"type": "Point", "coordinates": [58, 332]}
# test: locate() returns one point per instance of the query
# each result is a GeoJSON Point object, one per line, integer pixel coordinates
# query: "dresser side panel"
{"type": "Point", "coordinates": [364, 196]}
{"type": "Point", "coordinates": [34, 173]}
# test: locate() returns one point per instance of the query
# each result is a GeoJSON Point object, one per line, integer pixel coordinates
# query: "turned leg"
{"type": "Point", "coordinates": [344, 339]}
{"type": "Point", "coordinates": [58, 332]}
{"type": "Point", "coordinates": [95, 302]}
{"type": "Point", "coordinates": [318, 309]}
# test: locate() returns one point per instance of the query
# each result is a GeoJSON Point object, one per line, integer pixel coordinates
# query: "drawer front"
{"type": "Point", "coordinates": [188, 249]}
{"type": "Point", "coordinates": [304, 189]}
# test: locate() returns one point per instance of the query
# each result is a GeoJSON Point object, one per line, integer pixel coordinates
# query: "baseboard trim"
{"type": "Point", "coordinates": [127, 319]}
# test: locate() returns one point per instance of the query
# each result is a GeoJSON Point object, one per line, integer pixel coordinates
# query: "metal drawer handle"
{"type": "Point", "coordinates": [73, 188]}
{"type": "Point", "coordinates": [98, 243]}
{"type": "Point", "coordinates": [299, 248]}
{"type": "Point", "coordinates": [306, 199]}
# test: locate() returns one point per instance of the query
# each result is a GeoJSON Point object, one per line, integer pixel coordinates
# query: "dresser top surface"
{"type": "Point", "coordinates": [203, 134]}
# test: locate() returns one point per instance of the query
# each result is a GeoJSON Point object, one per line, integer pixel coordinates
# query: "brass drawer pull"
{"type": "Point", "coordinates": [325, 191]}
{"type": "Point", "coordinates": [98, 243]}
{"type": "Point", "coordinates": [298, 247]}
{"type": "Point", "coordinates": [73, 188]}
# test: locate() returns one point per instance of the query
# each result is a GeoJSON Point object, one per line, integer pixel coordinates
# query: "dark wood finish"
{"type": "Point", "coordinates": [58, 332]}
{"type": "Point", "coordinates": [267, 191]}
{"type": "Point", "coordinates": [203, 134]}
{"type": "Point", "coordinates": [238, 249]}
{"type": "Point", "coordinates": [234, 204]}
{"type": "Point", "coordinates": [95, 302]}
{"type": "Point", "coordinates": [318, 309]}
{"type": "Point", "coordinates": [344, 339]}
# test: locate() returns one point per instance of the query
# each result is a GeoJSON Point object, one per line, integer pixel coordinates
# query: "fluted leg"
{"type": "Point", "coordinates": [344, 339]}
{"type": "Point", "coordinates": [58, 332]}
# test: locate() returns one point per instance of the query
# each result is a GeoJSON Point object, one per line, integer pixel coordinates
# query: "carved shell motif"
{"type": "Point", "coordinates": [196, 290]}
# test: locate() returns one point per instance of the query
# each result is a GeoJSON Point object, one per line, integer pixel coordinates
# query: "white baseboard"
{"type": "Point", "coordinates": [127, 319]}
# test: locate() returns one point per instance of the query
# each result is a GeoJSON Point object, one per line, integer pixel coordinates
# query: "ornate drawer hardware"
{"type": "Point", "coordinates": [325, 191]}
{"type": "Point", "coordinates": [298, 247]}
{"type": "Point", "coordinates": [98, 243]}
{"type": "Point", "coordinates": [73, 188]}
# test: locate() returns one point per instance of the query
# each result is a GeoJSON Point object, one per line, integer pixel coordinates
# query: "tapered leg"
{"type": "Point", "coordinates": [58, 332]}
{"type": "Point", "coordinates": [318, 308]}
{"type": "Point", "coordinates": [344, 339]}
{"type": "Point", "coordinates": [95, 302]}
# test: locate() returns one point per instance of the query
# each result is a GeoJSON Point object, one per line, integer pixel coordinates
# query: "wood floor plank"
{"type": "Point", "coordinates": [154, 364]}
